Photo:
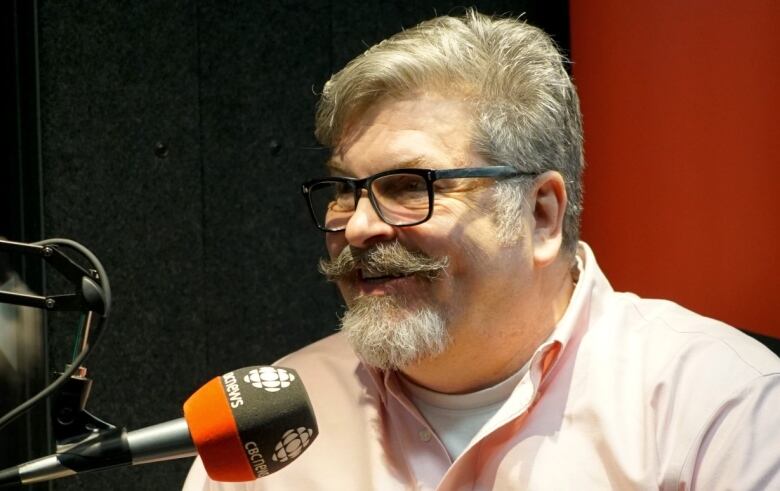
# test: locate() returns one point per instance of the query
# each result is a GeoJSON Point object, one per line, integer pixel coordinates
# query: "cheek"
{"type": "Point", "coordinates": [335, 242]}
{"type": "Point", "coordinates": [466, 240]}
{"type": "Point", "coordinates": [347, 293]}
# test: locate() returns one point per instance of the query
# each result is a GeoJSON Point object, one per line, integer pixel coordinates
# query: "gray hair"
{"type": "Point", "coordinates": [526, 109]}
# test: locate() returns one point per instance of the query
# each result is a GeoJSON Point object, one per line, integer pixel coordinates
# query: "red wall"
{"type": "Point", "coordinates": [681, 102]}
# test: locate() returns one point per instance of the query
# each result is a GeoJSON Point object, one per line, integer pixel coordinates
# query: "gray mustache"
{"type": "Point", "coordinates": [386, 259]}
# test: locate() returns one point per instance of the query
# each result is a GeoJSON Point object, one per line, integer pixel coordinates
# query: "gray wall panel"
{"type": "Point", "coordinates": [259, 62]}
{"type": "Point", "coordinates": [116, 78]}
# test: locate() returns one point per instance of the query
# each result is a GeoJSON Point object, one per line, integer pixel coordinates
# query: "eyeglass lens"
{"type": "Point", "coordinates": [402, 199]}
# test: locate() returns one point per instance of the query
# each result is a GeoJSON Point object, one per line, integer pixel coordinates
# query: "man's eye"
{"type": "Point", "coordinates": [400, 185]}
{"type": "Point", "coordinates": [447, 184]}
{"type": "Point", "coordinates": [342, 189]}
{"type": "Point", "coordinates": [413, 185]}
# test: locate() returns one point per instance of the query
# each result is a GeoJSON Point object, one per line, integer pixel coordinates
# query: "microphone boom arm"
{"type": "Point", "coordinates": [71, 422]}
{"type": "Point", "coordinates": [89, 296]}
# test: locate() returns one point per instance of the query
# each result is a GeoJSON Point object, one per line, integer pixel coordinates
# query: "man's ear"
{"type": "Point", "coordinates": [549, 204]}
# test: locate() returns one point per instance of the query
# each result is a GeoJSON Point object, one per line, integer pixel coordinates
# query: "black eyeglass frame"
{"type": "Point", "coordinates": [430, 175]}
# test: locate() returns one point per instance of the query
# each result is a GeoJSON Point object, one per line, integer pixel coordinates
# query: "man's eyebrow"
{"type": "Point", "coordinates": [335, 167]}
{"type": "Point", "coordinates": [417, 162]}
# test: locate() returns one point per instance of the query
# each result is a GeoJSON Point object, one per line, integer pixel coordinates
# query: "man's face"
{"type": "Point", "coordinates": [481, 275]}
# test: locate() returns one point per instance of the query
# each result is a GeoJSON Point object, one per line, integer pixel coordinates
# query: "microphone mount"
{"type": "Point", "coordinates": [89, 296]}
{"type": "Point", "coordinates": [72, 423]}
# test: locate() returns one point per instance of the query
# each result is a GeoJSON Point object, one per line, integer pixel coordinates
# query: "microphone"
{"type": "Point", "coordinates": [244, 425]}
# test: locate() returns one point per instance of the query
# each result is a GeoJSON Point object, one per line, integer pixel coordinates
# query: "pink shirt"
{"type": "Point", "coordinates": [628, 393]}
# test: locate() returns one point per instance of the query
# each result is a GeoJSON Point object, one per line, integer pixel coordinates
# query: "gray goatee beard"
{"type": "Point", "coordinates": [384, 331]}
{"type": "Point", "coordinates": [386, 335]}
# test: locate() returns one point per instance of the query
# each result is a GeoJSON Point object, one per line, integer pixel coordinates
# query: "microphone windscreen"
{"type": "Point", "coordinates": [250, 422]}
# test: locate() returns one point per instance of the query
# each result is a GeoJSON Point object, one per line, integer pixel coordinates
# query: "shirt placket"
{"type": "Point", "coordinates": [467, 468]}
{"type": "Point", "coordinates": [425, 455]}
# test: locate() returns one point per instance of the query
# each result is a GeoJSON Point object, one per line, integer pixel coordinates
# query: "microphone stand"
{"type": "Point", "coordinates": [72, 423]}
{"type": "Point", "coordinates": [84, 442]}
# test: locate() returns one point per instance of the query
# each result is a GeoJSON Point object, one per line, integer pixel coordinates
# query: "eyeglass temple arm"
{"type": "Point", "coordinates": [490, 171]}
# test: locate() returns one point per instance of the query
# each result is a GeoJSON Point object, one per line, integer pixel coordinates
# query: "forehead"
{"type": "Point", "coordinates": [420, 131]}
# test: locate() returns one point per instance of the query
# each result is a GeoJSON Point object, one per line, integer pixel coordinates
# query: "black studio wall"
{"type": "Point", "coordinates": [173, 138]}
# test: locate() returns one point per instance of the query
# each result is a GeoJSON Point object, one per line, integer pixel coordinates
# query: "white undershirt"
{"type": "Point", "coordinates": [457, 418]}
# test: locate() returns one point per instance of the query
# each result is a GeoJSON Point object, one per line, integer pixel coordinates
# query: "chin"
{"type": "Point", "coordinates": [390, 334]}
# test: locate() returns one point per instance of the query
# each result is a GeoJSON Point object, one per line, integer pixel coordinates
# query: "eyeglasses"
{"type": "Point", "coordinates": [400, 197]}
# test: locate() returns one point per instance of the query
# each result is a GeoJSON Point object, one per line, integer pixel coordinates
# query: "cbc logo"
{"type": "Point", "coordinates": [271, 379]}
{"type": "Point", "coordinates": [292, 444]}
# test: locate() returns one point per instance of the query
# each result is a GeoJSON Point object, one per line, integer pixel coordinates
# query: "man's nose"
{"type": "Point", "coordinates": [365, 227]}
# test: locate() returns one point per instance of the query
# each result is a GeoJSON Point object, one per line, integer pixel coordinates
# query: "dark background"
{"type": "Point", "coordinates": [170, 137]}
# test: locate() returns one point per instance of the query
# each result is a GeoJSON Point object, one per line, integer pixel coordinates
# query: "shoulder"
{"type": "Point", "coordinates": [334, 377]}
{"type": "Point", "coordinates": [346, 405]}
{"type": "Point", "coordinates": [326, 359]}
{"type": "Point", "coordinates": [715, 395]}
{"type": "Point", "coordinates": [686, 366]}
{"type": "Point", "coordinates": [663, 336]}
{"type": "Point", "coordinates": [333, 346]}
{"type": "Point", "coordinates": [675, 338]}
{"type": "Point", "coordinates": [704, 390]}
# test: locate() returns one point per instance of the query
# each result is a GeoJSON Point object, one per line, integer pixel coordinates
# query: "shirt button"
{"type": "Point", "coordinates": [424, 435]}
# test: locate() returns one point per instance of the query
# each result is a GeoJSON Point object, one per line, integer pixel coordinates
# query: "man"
{"type": "Point", "coordinates": [482, 347]}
